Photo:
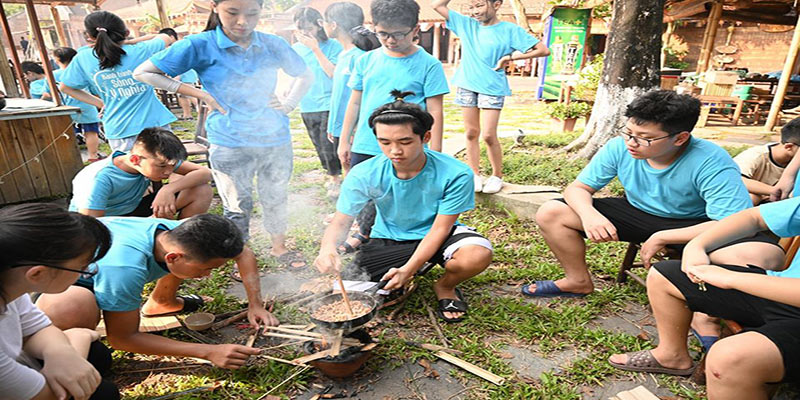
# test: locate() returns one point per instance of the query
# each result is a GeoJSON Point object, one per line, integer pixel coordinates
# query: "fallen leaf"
{"type": "Point", "coordinates": [643, 335]}
{"type": "Point", "coordinates": [506, 355]}
{"type": "Point", "coordinates": [429, 371]}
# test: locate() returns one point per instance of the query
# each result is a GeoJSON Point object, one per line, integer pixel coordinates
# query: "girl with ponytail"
{"type": "Point", "coordinates": [106, 70]}
{"type": "Point", "coordinates": [248, 126]}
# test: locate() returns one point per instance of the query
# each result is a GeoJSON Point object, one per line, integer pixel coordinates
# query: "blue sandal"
{"type": "Point", "coordinates": [705, 341]}
{"type": "Point", "coordinates": [548, 289]}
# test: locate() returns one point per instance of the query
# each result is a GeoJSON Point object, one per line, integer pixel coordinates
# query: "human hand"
{"type": "Point", "coordinates": [397, 277]}
{"type": "Point", "coordinates": [69, 375]}
{"type": "Point", "coordinates": [328, 262]}
{"type": "Point", "coordinates": [711, 274]}
{"type": "Point", "coordinates": [651, 247]}
{"type": "Point", "coordinates": [279, 106]}
{"type": "Point", "coordinates": [501, 63]}
{"type": "Point", "coordinates": [100, 113]}
{"type": "Point", "coordinates": [344, 154]}
{"type": "Point", "coordinates": [230, 356]}
{"type": "Point", "coordinates": [258, 316]}
{"type": "Point", "coordinates": [330, 137]}
{"type": "Point", "coordinates": [693, 255]}
{"type": "Point", "coordinates": [781, 190]}
{"type": "Point", "coordinates": [164, 204]}
{"type": "Point", "coordinates": [307, 40]}
{"type": "Point", "coordinates": [212, 104]}
{"type": "Point", "coordinates": [599, 229]}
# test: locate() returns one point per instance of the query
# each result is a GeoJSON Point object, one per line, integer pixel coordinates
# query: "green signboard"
{"type": "Point", "coordinates": [565, 35]}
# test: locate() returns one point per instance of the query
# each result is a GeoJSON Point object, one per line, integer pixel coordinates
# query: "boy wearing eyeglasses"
{"type": "Point", "coordinates": [144, 250]}
{"type": "Point", "coordinates": [676, 186]}
{"type": "Point", "coordinates": [399, 64]}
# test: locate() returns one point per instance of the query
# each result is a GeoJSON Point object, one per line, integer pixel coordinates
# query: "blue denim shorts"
{"type": "Point", "coordinates": [468, 98]}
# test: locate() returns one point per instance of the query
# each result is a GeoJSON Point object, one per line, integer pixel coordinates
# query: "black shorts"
{"type": "Point", "coordinates": [779, 322]}
{"type": "Point", "coordinates": [145, 207]}
{"type": "Point", "coordinates": [636, 226]}
{"type": "Point", "coordinates": [378, 255]}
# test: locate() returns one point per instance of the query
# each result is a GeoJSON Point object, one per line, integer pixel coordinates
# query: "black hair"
{"type": "Point", "coordinates": [43, 233]}
{"type": "Point", "coordinates": [108, 31]}
{"type": "Point", "coordinates": [170, 32]}
{"type": "Point", "coordinates": [64, 54]}
{"type": "Point", "coordinates": [399, 112]}
{"type": "Point", "coordinates": [213, 19]}
{"type": "Point", "coordinates": [350, 19]}
{"type": "Point", "coordinates": [311, 16]}
{"type": "Point", "coordinates": [675, 112]}
{"type": "Point", "coordinates": [161, 141]}
{"type": "Point", "coordinates": [790, 133]}
{"type": "Point", "coordinates": [206, 236]}
{"type": "Point", "coordinates": [30, 66]}
{"type": "Point", "coordinates": [395, 12]}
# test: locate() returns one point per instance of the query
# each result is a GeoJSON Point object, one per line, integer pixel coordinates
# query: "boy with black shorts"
{"type": "Point", "coordinates": [743, 365]}
{"type": "Point", "coordinates": [419, 194]}
{"type": "Point", "coordinates": [676, 186]}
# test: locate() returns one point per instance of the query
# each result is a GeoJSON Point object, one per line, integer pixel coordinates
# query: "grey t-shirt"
{"type": "Point", "coordinates": [19, 375]}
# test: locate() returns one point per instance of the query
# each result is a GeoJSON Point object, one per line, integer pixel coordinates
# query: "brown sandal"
{"type": "Point", "coordinates": [644, 361]}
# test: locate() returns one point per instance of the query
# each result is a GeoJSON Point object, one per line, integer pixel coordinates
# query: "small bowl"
{"type": "Point", "coordinates": [199, 321]}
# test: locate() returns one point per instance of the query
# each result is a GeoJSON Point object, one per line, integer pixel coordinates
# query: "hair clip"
{"type": "Point", "coordinates": [101, 29]}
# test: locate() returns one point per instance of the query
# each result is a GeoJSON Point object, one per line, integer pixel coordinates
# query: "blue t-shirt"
{"type": "Point", "coordinates": [318, 97]}
{"type": "Point", "coordinates": [241, 80]}
{"type": "Point", "coordinates": [130, 105]}
{"type": "Point", "coordinates": [105, 187]}
{"type": "Point", "coordinates": [783, 219]}
{"type": "Point", "coordinates": [406, 208]}
{"type": "Point", "coordinates": [340, 93]}
{"type": "Point", "coordinates": [702, 182]}
{"type": "Point", "coordinates": [129, 263]}
{"type": "Point", "coordinates": [189, 77]}
{"type": "Point", "coordinates": [38, 88]}
{"type": "Point", "coordinates": [88, 114]}
{"type": "Point", "coordinates": [482, 46]}
{"type": "Point", "coordinates": [376, 74]}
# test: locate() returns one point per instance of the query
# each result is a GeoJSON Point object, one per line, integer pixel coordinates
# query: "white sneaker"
{"type": "Point", "coordinates": [493, 184]}
{"type": "Point", "coordinates": [478, 183]}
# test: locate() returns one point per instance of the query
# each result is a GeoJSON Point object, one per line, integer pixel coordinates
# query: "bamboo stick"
{"type": "Point", "coordinates": [469, 367]}
{"type": "Point", "coordinates": [346, 341]}
{"type": "Point", "coordinates": [436, 326]}
{"type": "Point", "coordinates": [228, 321]}
{"type": "Point", "coordinates": [284, 381]}
{"type": "Point", "coordinates": [344, 296]}
{"type": "Point", "coordinates": [280, 360]}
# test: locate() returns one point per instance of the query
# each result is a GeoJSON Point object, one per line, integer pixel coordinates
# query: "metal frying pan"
{"type": "Point", "coordinates": [368, 297]}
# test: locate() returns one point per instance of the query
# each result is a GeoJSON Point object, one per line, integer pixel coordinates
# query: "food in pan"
{"type": "Point", "coordinates": [337, 311]}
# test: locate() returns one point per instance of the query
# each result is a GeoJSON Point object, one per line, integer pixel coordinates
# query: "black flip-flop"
{"type": "Point", "coordinates": [191, 303]}
{"type": "Point", "coordinates": [452, 305]}
{"type": "Point", "coordinates": [347, 248]}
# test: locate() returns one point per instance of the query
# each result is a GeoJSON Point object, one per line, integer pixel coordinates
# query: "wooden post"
{"type": "Point", "coordinates": [437, 41]}
{"type": "Point", "coordinates": [711, 31]}
{"type": "Point", "coordinates": [48, 70]}
{"type": "Point", "coordinates": [14, 55]}
{"type": "Point", "coordinates": [7, 74]}
{"type": "Point", "coordinates": [62, 37]}
{"type": "Point", "coordinates": [783, 83]}
{"type": "Point", "coordinates": [162, 14]}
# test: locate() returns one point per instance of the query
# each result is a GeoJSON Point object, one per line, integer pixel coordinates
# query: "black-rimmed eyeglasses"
{"type": "Point", "coordinates": [88, 272]}
{"type": "Point", "coordinates": [394, 35]}
{"type": "Point", "coordinates": [640, 140]}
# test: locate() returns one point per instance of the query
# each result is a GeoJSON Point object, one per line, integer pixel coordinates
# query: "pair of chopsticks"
{"type": "Point", "coordinates": [344, 292]}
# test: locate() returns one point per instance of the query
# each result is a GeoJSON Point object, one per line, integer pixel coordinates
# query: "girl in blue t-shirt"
{"type": "Point", "coordinates": [344, 21]}
{"type": "Point", "coordinates": [247, 126]}
{"type": "Point", "coordinates": [320, 54]}
{"type": "Point", "coordinates": [128, 106]}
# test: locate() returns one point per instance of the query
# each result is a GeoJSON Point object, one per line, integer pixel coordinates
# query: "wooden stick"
{"type": "Point", "coordinates": [254, 335]}
{"type": "Point", "coordinates": [284, 329]}
{"type": "Point", "coordinates": [344, 296]}
{"type": "Point", "coordinates": [312, 357]}
{"type": "Point", "coordinates": [136, 371]}
{"type": "Point", "coordinates": [469, 367]}
{"type": "Point", "coordinates": [436, 326]}
{"type": "Point", "coordinates": [227, 321]}
{"type": "Point", "coordinates": [284, 381]}
{"type": "Point", "coordinates": [346, 341]}
{"type": "Point", "coordinates": [280, 360]}
{"type": "Point", "coordinates": [290, 343]}
{"type": "Point", "coordinates": [230, 313]}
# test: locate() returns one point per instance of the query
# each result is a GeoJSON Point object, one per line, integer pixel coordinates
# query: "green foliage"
{"type": "Point", "coordinates": [11, 9]}
{"type": "Point", "coordinates": [575, 109]}
{"type": "Point", "coordinates": [735, 150]}
{"type": "Point", "coordinates": [674, 59]}
{"type": "Point", "coordinates": [589, 79]}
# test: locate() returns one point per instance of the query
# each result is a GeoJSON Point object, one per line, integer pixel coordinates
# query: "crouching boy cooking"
{"type": "Point", "coordinates": [419, 194]}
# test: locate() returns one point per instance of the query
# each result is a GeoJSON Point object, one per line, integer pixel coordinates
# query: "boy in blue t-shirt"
{"type": "Point", "coordinates": [741, 366]}
{"type": "Point", "coordinates": [117, 186]}
{"type": "Point", "coordinates": [419, 194]}
{"type": "Point", "coordinates": [397, 64]}
{"type": "Point", "coordinates": [487, 45]}
{"type": "Point", "coordinates": [34, 74]}
{"type": "Point", "coordinates": [146, 249]}
{"type": "Point", "coordinates": [676, 186]}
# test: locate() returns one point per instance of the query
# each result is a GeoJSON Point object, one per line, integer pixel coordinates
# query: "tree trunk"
{"type": "Point", "coordinates": [520, 15]}
{"type": "Point", "coordinates": [630, 68]}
